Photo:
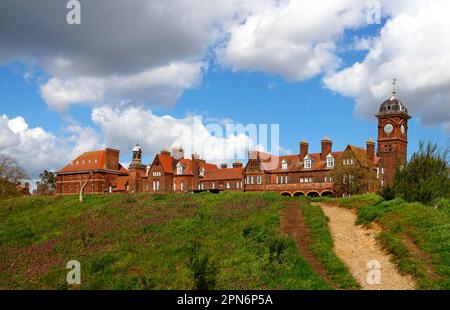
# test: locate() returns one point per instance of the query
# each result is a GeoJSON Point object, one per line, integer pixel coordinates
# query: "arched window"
{"type": "Point", "coordinates": [179, 168]}
{"type": "Point", "coordinates": [330, 161]}
{"type": "Point", "coordinates": [284, 165]}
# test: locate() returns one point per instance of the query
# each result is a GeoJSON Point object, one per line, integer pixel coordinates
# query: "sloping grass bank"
{"type": "Point", "coordinates": [223, 241]}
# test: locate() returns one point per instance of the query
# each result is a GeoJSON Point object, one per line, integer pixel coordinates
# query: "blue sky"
{"type": "Point", "coordinates": [241, 86]}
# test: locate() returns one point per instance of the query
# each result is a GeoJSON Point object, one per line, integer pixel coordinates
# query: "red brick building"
{"type": "Point", "coordinates": [101, 168]}
{"type": "Point", "coordinates": [299, 174]}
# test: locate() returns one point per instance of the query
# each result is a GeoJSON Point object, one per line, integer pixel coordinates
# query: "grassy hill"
{"type": "Point", "coordinates": [224, 241]}
{"type": "Point", "coordinates": [215, 241]}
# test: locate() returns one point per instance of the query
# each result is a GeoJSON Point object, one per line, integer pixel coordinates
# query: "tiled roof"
{"type": "Point", "coordinates": [187, 164]}
{"type": "Point", "coordinates": [166, 162]}
{"type": "Point", "coordinates": [87, 161]}
{"type": "Point", "coordinates": [95, 160]}
{"type": "Point", "coordinates": [224, 174]}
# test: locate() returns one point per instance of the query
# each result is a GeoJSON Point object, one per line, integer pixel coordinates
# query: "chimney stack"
{"type": "Point", "coordinates": [223, 166]}
{"type": "Point", "coordinates": [303, 149]}
{"type": "Point", "coordinates": [326, 148]}
{"type": "Point", "coordinates": [178, 152]}
{"type": "Point", "coordinates": [370, 150]}
{"type": "Point", "coordinates": [237, 164]}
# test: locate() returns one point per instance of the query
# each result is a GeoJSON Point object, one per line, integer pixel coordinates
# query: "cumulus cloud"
{"type": "Point", "coordinates": [162, 85]}
{"type": "Point", "coordinates": [412, 47]}
{"type": "Point", "coordinates": [152, 50]}
{"type": "Point", "coordinates": [294, 39]}
{"type": "Point", "coordinates": [122, 126]}
{"type": "Point", "coordinates": [36, 149]}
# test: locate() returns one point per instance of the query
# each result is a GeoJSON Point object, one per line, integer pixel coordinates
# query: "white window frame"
{"type": "Point", "coordinates": [330, 162]}
{"type": "Point", "coordinates": [179, 169]}
{"type": "Point", "coordinates": [259, 179]}
{"type": "Point", "coordinates": [284, 165]}
{"type": "Point", "coordinates": [307, 164]}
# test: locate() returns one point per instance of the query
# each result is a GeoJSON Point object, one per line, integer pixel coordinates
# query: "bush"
{"type": "Point", "coordinates": [387, 192]}
{"type": "Point", "coordinates": [425, 177]}
{"type": "Point", "coordinates": [7, 189]}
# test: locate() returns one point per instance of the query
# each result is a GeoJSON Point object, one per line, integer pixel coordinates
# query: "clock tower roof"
{"type": "Point", "coordinates": [393, 105]}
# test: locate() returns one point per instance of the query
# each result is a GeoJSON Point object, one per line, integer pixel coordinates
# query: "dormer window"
{"type": "Point", "coordinates": [307, 162]}
{"type": "Point", "coordinates": [179, 168]}
{"type": "Point", "coordinates": [284, 165]}
{"type": "Point", "coordinates": [330, 161]}
{"type": "Point", "coordinates": [201, 172]}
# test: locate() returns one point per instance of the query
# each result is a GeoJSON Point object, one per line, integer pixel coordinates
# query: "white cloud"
{"type": "Point", "coordinates": [144, 49]}
{"type": "Point", "coordinates": [294, 39]}
{"type": "Point", "coordinates": [122, 126]}
{"type": "Point", "coordinates": [412, 47]}
{"type": "Point", "coordinates": [36, 149]}
{"type": "Point", "coordinates": [161, 85]}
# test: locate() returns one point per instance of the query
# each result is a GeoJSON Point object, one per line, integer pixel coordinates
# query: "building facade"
{"type": "Point", "coordinates": [299, 174]}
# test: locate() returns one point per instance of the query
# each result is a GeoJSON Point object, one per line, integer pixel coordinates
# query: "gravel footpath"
{"type": "Point", "coordinates": [356, 246]}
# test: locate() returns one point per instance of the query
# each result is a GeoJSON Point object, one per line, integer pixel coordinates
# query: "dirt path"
{"type": "Point", "coordinates": [356, 247]}
{"type": "Point", "coordinates": [293, 224]}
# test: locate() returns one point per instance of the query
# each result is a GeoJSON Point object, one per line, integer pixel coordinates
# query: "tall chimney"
{"type": "Point", "coordinates": [303, 149]}
{"type": "Point", "coordinates": [237, 164]}
{"type": "Point", "coordinates": [326, 148]}
{"type": "Point", "coordinates": [370, 150]}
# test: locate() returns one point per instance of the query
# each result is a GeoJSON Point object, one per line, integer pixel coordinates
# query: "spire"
{"type": "Point", "coordinates": [394, 87]}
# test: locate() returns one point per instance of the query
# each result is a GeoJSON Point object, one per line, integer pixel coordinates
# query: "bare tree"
{"type": "Point", "coordinates": [83, 185]}
{"type": "Point", "coordinates": [10, 169]}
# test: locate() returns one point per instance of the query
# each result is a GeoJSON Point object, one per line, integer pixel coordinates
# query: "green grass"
{"type": "Point", "coordinates": [418, 236]}
{"type": "Point", "coordinates": [153, 242]}
{"type": "Point", "coordinates": [322, 247]}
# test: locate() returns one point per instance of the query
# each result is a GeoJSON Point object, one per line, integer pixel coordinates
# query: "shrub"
{"type": "Point", "coordinates": [7, 189]}
{"type": "Point", "coordinates": [425, 177]}
{"type": "Point", "coordinates": [387, 192]}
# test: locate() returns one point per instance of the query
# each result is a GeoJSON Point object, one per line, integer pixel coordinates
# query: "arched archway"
{"type": "Point", "coordinates": [286, 194]}
{"type": "Point", "coordinates": [299, 194]}
{"type": "Point", "coordinates": [327, 194]}
{"type": "Point", "coordinates": [313, 194]}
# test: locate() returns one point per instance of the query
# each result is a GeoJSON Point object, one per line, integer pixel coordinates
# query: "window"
{"type": "Point", "coordinates": [330, 161]}
{"type": "Point", "coordinates": [301, 180]}
{"type": "Point", "coordinates": [202, 172]}
{"type": "Point", "coordinates": [228, 185]}
{"type": "Point", "coordinates": [182, 186]}
{"type": "Point", "coordinates": [308, 163]}
{"type": "Point", "coordinates": [382, 170]}
{"type": "Point", "coordinates": [154, 185]}
{"type": "Point", "coordinates": [157, 185]}
{"type": "Point", "coordinates": [199, 186]}
{"type": "Point", "coordinates": [213, 185]}
{"type": "Point", "coordinates": [179, 168]}
{"type": "Point", "coordinates": [237, 184]}
{"type": "Point", "coordinates": [276, 180]}
{"type": "Point", "coordinates": [252, 181]}
{"type": "Point", "coordinates": [174, 187]}
{"type": "Point", "coordinates": [259, 179]}
{"type": "Point", "coordinates": [284, 165]}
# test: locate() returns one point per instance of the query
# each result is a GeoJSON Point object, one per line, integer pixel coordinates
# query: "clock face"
{"type": "Point", "coordinates": [402, 129]}
{"type": "Point", "coordinates": [388, 128]}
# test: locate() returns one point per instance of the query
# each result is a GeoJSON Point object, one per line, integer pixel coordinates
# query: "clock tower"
{"type": "Point", "coordinates": [392, 136]}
